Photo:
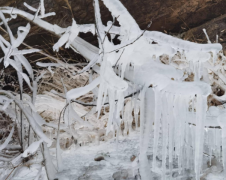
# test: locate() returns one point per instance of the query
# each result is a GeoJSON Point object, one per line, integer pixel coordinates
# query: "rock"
{"type": "Point", "coordinates": [99, 158]}
{"type": "Point", "coordinates": [132, 158]}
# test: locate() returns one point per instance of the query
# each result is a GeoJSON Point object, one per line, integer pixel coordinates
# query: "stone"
{"type": "Point", "coordinates": [99, 158]}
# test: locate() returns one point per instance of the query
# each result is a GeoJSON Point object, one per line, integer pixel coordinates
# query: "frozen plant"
{"type": "Point", "coordinates": [171, 109]}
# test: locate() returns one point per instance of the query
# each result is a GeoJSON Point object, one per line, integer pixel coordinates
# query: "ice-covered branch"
{"type": "Point", "coordinates": [35, 126]}
{"type": "Point", "coordinates": [8, 139]}
{"type": "Point", "coordinates": [89, 51]}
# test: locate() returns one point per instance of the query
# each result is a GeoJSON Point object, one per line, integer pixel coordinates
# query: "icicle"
{"type": "Point", "coordinates": [111, 110]}
{"type": "Point", "coordinates": [117, 137]}
{"type": "Point", "coordinates": [187, 139]}
{"type": "Point", "coordinates": [164, 135]}
{"type": "Point", "coordinates": [178, 132]}
{"type": "Point", "coordinates": [171, 130]}
{"type": "Point", "coordinates": [201, 108]}
{"type": "Point", "coordinates": [190, 155]}
{"type": "Point", "coordinates": [221, 121]}
{"type": "Point", "coordinates": [182, 111]}
{"type": "Point", "coordinates": [158, 105]}
{"type": "Point", "coordinates": [146, 126]}
{"type": "Point", "coordinates": [217, 145]}
{"type": "Point", "coordinates": [210, 144]}
{"type": "Point", "coordinates": [207, 37]}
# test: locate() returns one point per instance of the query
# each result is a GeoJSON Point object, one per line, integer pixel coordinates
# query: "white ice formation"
{"type": "Point", "coordinates": [172, 110]}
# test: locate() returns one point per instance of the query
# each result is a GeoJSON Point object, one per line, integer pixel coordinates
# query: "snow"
{"type": "Point", "coordinates": [79, 162]}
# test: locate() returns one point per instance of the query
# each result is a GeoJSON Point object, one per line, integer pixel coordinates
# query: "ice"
{"type": "Point", "coordinates": [22, 52]}
{"type": "Point", "coordinates": [100, 30]}
{"type": "Point", "coordinates": [50, 168]}
{"type": "Point", "coordinates": [129, 26]}
{"type": "Point", "coordinates": [111, 79]}
{"type": "Point", "coordinates": [181, 44]}
{"type": "Point", "coordinates": [38, 174]}
{"type": "Point", "coordinates": [7, 20]}
{"type": "Point", "coordinates": [47, 64]}
{"type": "Point", "coordinates": [61, 42]}
{"type": "Point", "coordinates": [165, 99]}
{"type": "Point", "coordinates": [75, 93]}
{"type": "Point", "coordinates": [26, 64]}
{"type": "Point", "coordinates": [128, 118]}
{"type": "Point", "coordinates": [42, 8]}
{"type": "Point", "coordinates": [73, 33]}
{"type": "Point", "coordinates": [12, 39]}
{"type": "Point", "coordinates": [211, 143]}
{"type": "Point", "coordinates": [21, 33]}
{"type": "Point", "coordinates": [158, 104]}
{"type": "Point", "coordinates": [173, 114]}
{"type": "Point", "coordinates": [32, 148]}
{"type": "Point", "coordinates": [222, 122]}
{"type": "Point", "coordinates": [71, 116]}
{"type": "Point", "coordinates": [146, 127]}
{"type": "Point", "coordinates": [68, 37]}
{"type": "Point", "coordinates": [35, 126]}
{"type": "Point", "coordinates": [27, 80]}
{"type": "Point", "coordinates": [207, 37]}
{"type": "Point", "coordinates": [8, 139]}
{"type": "Point", "coordinates": [30, 7]}
{"type": "Point", "coordinates": [58, 153]}
{"type": "Point", "coordinates": [164, 137]}
{"type": "Point", "coordinates": [87, 28]}
{"type": "Point", "coordinates": [87, 50]}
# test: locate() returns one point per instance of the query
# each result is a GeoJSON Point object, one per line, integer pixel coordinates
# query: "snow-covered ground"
{"type": "Point", "coordinates": [108, 160]}
{"type": "Point", "coordinates": [119, 161]}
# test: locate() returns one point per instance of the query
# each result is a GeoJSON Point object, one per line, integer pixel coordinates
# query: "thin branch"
{"type": "Point", "coordinates": [110, 28]}
{"type": "Point", "coordinates": [119, 57]}
{"type": "Point", "coordinates": [133, 40]}
{"type": "Point", "coordinates": [45, 54]}
{"type": "Point", "coordinates": [12, 171]}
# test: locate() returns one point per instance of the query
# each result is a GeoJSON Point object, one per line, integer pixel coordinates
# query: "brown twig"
{"type": "Point", "coordinates": [110, 28]}
{"type": "Point", "coordinates": [13, 170]}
